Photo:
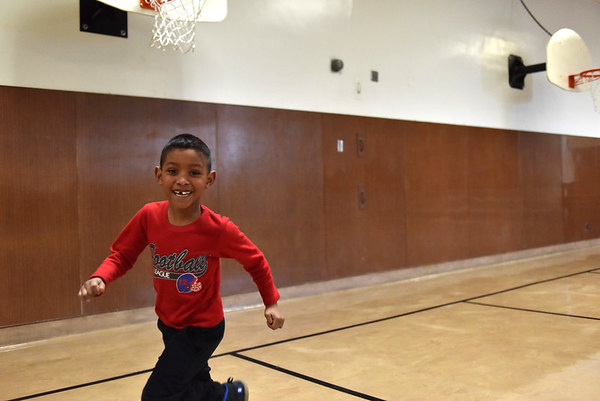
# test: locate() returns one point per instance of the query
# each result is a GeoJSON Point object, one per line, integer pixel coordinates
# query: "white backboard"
{"type": "Point", "coordinates": [566, 54]}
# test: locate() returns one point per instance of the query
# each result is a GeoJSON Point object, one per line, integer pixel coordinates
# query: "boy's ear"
{"type": "Point", "coordinates": [158, 173]}
{"type": "Point", "coordinates": [212, 176]}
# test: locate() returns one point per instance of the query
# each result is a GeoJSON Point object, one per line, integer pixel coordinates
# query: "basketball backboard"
{"type": "Point", "coordinates": [213, 10]}
{"type": "Point", "coordinates": [566, 54]}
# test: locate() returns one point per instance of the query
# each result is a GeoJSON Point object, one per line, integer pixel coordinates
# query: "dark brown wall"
{"type": "Point", "coordinates": [371, 237]}
{"type": "Point", "coordinates": [75, 167]}
{"type": "Point", "coordinates": [38, 205]}
{"type": "Point", "coordinates": [270, 173]}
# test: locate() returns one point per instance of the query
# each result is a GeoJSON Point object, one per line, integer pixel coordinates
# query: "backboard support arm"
{"type": "Point", "coordinates": [517, 71]}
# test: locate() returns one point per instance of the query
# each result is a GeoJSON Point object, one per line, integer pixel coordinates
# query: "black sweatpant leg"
{"type": "Point", "coordinates": [182, 372]}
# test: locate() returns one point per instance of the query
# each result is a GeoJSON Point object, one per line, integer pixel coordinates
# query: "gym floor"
{"type": "Point", "coordinates": [520, 330]}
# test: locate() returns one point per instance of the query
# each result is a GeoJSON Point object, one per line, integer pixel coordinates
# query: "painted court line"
{"type": "Point", "coordinates": [78, 386]}
{"type": "Point", "coordinates": [307, 378]}
{"type": "Point", "coordinates": [531, 310]}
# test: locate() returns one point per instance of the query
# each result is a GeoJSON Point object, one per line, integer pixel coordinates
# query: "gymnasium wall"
{"type": "Point", "coordinates": [456, 164]}
{"type": "Point", "coordinates": [438, 61]}
{"type": "Point", "coordinates": [77, 166]}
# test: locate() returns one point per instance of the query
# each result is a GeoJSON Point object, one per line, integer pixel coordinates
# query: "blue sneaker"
{"type": "Point", "coordinates": [235, 390]}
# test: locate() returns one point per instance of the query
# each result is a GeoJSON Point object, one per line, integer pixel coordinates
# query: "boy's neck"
{"type": "Point", "coordinates": [179, 217]}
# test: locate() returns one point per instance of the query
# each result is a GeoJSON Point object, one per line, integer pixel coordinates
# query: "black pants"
{"type": "Point", "coordinates": [182, 371]}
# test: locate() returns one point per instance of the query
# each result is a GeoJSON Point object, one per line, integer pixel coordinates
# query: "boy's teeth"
{"type": "Point", "coordinates": [182, 193]}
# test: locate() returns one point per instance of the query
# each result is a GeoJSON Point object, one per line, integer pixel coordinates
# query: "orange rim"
{"type": "Point", "coordinates": [584, 77]}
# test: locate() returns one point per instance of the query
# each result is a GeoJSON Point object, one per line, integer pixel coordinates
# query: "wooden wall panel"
{"type": "Point", "coordinates": [385, 209]}
{"type": "Point", "coordinates": [437, 193]}
{"type": "Point", "coordinates": [119, 143]}
{"type": "Point", "coordinates": [343, 172]}
{"type": "Point", "coordinates": [581, 187]}
{"type": "Point", "coordinates": [372, 237]}
{"type": "Point", "coordinates": [495, 194]}
{"type": "Point", "coordinates": [270, 164]}
{"type": "Point", "coordinates": [38, 206]}
{"type": "Point", "coordinates": [541, 181]}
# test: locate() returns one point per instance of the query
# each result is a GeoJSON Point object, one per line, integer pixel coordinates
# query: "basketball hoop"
{"type": "Point", "coordinates": [591, 79]}
{"type": "Point", "coordinates": [174, 23]}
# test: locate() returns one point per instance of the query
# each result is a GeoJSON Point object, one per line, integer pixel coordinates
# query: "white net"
{"type": "Point", "coordinates": [175, 23]}
{"type": "Point", "coordinates": [588, 81]}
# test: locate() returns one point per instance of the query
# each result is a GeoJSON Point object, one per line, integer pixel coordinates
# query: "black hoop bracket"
{"type": "Point", "coordinates": [517, 71]}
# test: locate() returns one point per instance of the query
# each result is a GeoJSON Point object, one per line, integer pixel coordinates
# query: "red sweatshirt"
{"type": "Point", "coordinates": [187, 274]}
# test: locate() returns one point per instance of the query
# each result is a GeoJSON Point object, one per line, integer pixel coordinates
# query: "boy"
{"type": "Point", "coordinates": [186, 240]}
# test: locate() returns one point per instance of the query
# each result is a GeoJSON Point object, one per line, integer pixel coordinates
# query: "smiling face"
{"type": "Point", "coordinates": [183, 177]}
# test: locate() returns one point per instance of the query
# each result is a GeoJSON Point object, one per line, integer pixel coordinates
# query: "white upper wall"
{"type": "Point", "coordinates": [438, 60]}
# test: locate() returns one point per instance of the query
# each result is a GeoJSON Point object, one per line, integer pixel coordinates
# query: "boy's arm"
{"type": "Point", "coordinates": [239, 247]}
{"type": "Point", "coordinates": [124, 252]}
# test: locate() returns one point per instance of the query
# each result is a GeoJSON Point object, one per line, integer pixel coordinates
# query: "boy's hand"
{"type": "Point", "coordinates": [274, 317]}
{"type": "Point", "coordinates": [92, 288]}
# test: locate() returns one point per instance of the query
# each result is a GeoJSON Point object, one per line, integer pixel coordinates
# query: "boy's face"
{"type": "Point", "coordinates": [184, 176]}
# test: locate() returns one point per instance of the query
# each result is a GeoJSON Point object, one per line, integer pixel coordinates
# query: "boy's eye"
{"type": "Point", "coordinates": [171, 171]}
{"type": "Point", "coordinates": [195, 173]}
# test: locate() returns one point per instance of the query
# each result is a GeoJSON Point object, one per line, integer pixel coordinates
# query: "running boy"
{"type": "Point", "coordinates": [186, 240]}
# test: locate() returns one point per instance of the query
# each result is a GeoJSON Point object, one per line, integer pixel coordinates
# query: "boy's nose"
{"type": "Point", "coordinates": [182, 179]}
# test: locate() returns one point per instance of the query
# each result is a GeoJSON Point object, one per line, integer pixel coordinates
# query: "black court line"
{"type": "Point", "coordinates": [307, 378]}
{"type": "Point", "coordinates": [530, 284]}
{"type": "Point", "coordinates": [532, 310]}
{"type": "Point", "coordinates": [78, 386]}
{"type": "Point", "coordinates": [236, 353]}
{"type": "Point", "coordinates": [352, 326]}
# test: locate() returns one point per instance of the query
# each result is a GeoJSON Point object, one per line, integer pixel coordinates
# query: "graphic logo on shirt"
{"type": "Point", "coordinates": [187, 283]}
{"type": "Point", "coordinates": [185, 273]}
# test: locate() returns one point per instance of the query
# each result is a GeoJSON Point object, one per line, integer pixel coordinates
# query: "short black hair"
{"type": "Point", "coordinates": [187, 141]}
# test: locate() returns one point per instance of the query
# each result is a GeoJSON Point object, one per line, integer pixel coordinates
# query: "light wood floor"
{"type": "Point", "coordinates": [521, 330]}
